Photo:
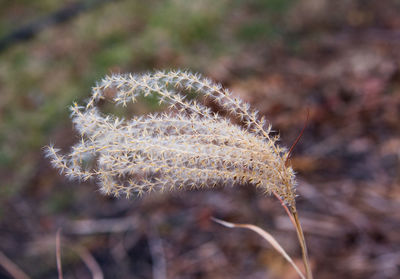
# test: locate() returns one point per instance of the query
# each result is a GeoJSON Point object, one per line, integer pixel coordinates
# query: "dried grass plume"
{"type": "Point", "coordinates": [188, 147]}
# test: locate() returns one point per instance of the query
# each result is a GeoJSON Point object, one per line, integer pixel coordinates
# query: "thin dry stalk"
{"type": "Point", "coordinates": [58, 254]}
{"type": "Point", "coordinates": [286, 209]}
{"type": "Point", "coordinates": [293, 216]}
{"type": "Point", "coordinates": [303, 245]}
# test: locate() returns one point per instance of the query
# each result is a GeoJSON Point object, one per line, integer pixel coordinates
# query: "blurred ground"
{"type": "Point", "coordinates": [339, 59]}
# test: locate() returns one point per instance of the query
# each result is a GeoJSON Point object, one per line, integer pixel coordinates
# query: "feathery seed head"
{"type": "Point", "coordinates": [190, 148]}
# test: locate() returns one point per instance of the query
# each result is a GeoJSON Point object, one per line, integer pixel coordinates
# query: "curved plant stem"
{"type": "Point", "coordinates": [288, 212]}
{"type": "Point", "coordinates": [302, 241]}
{"type": "Point", "coordinates": [294, 217]}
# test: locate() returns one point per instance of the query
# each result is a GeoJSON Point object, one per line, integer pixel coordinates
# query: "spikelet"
{"type": "Point", "coordinates": [188, 147]}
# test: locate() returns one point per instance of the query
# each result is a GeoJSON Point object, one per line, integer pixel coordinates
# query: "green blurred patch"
{"type": "Point", "coordinates": [264, 20]}
{"type": "Point", "coordinates": [114, 54]}
{"type": "Point", "coordinates": [60, 202]}
{"type": "Point", "coordinates": [258, 30]}
{"type": "Point", "coordinates": [152, 102]}
{"type": "Point", "coordinates": [188, 22]}
{"type": "Point", "coordinates": [271, 6]}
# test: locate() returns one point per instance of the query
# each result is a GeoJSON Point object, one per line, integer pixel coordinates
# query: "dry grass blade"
{"type": "Point", "coordinates": [12, 268]}
{"type": "Point", "coordinates": [268, 237]}
{"type": "Point", "coordinates": [91, 263]}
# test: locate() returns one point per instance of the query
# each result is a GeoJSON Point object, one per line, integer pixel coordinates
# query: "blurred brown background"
{"type": "Point", "coordinates": [339, 59]}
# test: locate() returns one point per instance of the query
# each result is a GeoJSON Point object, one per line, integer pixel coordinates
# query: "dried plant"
{"type": "Point", "coordinates": [188, 147]}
